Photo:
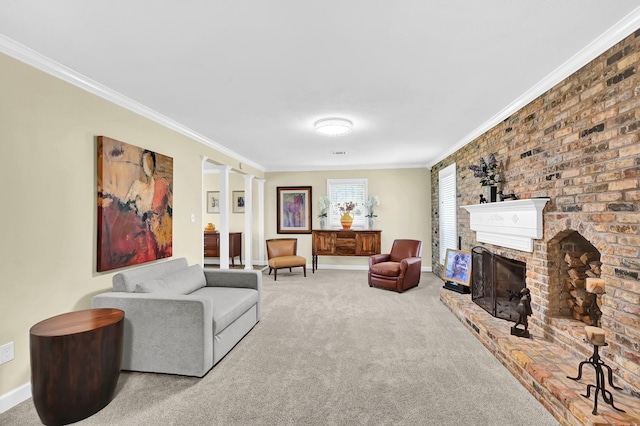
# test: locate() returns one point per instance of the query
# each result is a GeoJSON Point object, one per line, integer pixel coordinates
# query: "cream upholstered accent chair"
{"type": "Point", "coordinates": [282, 253]}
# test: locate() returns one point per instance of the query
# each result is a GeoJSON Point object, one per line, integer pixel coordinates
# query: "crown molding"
{"type": "Point", "coordinates": [278, 169]}
{"type": "Point", "coordinates": [613, 35]}
{"type": "Point", "coordinates": [30, 57]}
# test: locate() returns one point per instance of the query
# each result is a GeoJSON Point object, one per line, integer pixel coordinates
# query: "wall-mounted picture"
{"type": "Point", "coordinates": [294, 209]}
{"type": "Point", "coordinates": [213, 201]}
{"type": "Point", "coordinates": [135, 205]}
{"type": "Point", "coordinates": [457, 267]}
{"type": "Point", "coordinates": [237, 201]}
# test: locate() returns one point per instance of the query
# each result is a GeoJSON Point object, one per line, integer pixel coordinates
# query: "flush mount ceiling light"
{"type": "Point", "coordinates": [333, 126]}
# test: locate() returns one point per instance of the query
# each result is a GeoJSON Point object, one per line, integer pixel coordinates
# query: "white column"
{"type": "Point", "coordinates": [224, 216]}
{"type": "Point", "coordinates": [248, 221]}
{"type": "Point", "coordinates": [202, 207]}
{"type": "Point", "coordinates": [261, 243]}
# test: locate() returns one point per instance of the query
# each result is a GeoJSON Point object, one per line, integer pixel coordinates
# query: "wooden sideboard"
{"type": "Point", "coordinates": [212, 245]}
{"type": "Point", "coordinates": [343, 242]}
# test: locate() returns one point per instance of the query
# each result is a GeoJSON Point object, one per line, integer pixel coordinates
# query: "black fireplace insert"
{"type": "Point", "coordinates": [496, 283]}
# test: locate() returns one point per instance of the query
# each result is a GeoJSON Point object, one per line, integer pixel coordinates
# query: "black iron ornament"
{"type": "Point", "coordinates": [524, 310]}
{"type": "Point", "coordinates": [600, 386]}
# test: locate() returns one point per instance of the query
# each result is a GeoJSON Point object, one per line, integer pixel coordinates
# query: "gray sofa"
{"type": "Point", "coordinates": [181, 319]}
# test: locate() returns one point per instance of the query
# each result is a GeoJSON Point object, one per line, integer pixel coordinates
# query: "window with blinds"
{"type": "Point", "coordinates": [447, 214]}
{"type": "Point", "coordinates": [345, 190]}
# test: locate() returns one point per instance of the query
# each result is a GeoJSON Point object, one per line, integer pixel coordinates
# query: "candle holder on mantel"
{"type": "Point", "coordinates": [595, 336]}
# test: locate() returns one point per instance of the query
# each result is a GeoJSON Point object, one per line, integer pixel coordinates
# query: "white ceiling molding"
{"type": "Point", "coordinates": [30, 57]}
{"type": "Point", "coordinates": [347, 167]}
{"type": "Point", "coordinates": [615, 34]}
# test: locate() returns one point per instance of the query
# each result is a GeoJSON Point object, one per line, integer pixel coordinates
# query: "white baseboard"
{"type": "Point", "coordinates": [358, 267]}
{"type": "Point", "coordinates": [320, 266]}
{"type": "Point", "coordinates": [15, 397]}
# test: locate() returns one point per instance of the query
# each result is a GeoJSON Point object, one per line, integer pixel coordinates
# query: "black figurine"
{"type": "Point", "coordinates": [524, 310]}
{"type": "Point", "coordinates": [507, 197]}
{"type": "Point", "coordinates": [482, 199]}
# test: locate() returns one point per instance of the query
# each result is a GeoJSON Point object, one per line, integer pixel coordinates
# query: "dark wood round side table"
{"type": "Point", "coordinates": [75, 363]}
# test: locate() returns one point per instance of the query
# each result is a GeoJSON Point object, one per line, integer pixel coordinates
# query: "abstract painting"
{"type": "Point", "coordinates": [135, 205]}
{"type": "Point", "coordinates": [294, 210]}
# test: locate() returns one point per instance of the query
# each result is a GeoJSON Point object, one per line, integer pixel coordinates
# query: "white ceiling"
{"type": "Point", "coordinates": [418, 78]}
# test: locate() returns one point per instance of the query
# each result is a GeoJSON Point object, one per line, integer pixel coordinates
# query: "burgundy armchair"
{"type": "Point", "coordinates": [398, 270]}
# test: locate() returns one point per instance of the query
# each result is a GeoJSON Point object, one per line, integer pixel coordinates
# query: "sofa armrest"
{"type": "Point", "coordinates": [164, 333]}
{"type": "Point", "coordinates": [379, 258]}
{"type": "Point", "coordinates": [233, 278]}
{"type": "Point", "coordinates": [236, 278]}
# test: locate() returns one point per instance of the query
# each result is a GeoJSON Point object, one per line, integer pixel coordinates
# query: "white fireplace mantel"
{"type": "Point", "coordinates": [512, 224]}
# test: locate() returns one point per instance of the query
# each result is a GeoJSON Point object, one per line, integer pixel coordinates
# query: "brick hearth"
{"type": "Point", "coordinates": [577, 144]}
{"type": "Point", "coordinates": [542, 367]}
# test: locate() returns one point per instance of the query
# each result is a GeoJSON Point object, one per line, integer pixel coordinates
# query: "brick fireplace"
{"type": "Point", "coordinates": [578, 144]}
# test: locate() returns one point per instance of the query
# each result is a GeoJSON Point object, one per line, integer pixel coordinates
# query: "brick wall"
{"type": "Point", "coordinates": [579, 145]}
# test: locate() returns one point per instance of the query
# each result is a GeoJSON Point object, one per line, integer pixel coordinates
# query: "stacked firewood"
{"type": "Point", "coordinates": [582, 265]}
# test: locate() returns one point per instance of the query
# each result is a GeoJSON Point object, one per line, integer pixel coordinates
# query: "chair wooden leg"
{"type": "Point", "coordinates": [275, 274]}
{"type": "Point", "coordinates": [304, 268]}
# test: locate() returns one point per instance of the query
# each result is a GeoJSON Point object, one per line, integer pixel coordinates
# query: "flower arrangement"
{"type": "Point", "coordinates": [346, 207]}
{"type": "Point", "coordinates": [371, 202]}
{"type": "Point", "coordinates": [487, 171]}
{"type": "Point", "coordinates": [324, 204]}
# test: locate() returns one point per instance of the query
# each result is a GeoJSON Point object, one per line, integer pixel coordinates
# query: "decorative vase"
{"type": "Point", "coordinates": [371, 223]}
{"type": "Point", "coordinates": [492, 194]}
{"type": "Point", "coordinates": [323, 223]}
{"type": "Point", "coordinates": [346, 220]}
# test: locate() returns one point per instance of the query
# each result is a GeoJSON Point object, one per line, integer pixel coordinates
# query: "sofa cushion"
{"type": "Point", "coordinates": [127, 280]}
{"type": "Point", "coordinates": [183, 281]}
{"type": "Point", "coordinates": [228, 304]}
{"type": "Point", "coordinates": [386, 269]}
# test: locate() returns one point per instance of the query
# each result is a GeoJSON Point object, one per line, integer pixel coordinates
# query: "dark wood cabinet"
{"type": "Point", "coordinates": [344, 242]}
{"type": "Point", "coordinates": [212, 245]}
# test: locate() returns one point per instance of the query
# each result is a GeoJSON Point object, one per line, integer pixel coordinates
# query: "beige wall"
{"type": "Point", "coordinates": [405, 203]}
{"type": "Point", "coordinates": [48, 131]}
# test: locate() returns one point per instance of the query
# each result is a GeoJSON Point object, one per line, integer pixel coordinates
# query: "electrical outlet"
{"type": "Point", "coordinates": [6, 353]}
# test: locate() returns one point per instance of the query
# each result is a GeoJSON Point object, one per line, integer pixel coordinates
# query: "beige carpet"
{"type": "Point", "coordinates": [332, 351]}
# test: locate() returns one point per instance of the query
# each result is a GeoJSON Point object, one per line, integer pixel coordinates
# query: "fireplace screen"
{"type": "Point", "coordinates": [496, 283]}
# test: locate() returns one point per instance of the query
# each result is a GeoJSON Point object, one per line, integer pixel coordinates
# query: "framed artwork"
{"type": "Point", "coordinates": [237, 201]}
{"type": "Point", "coordinates": [135, 205]}
{"type": "Point", "coordinates": [213, 201]}
{"type": "Point", "coordinates": [457, 267]}
{"type": "Point", "coordinates": [294, 209]}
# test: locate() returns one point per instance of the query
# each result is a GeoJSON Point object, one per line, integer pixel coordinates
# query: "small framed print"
{"type": "Point", "coordinates": [213, 201]}
{"type": "Point", "coordinates": [457, 267]}
{"type": "Point", "coordinates": [294, 210]}
{"type": "Point", "coordinates": [237, 201]}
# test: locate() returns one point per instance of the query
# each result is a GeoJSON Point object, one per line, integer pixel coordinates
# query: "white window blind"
{"type": "Point", "coordinates": [448, 211]}
{"type": "Point", "coordinates": [345, 190]}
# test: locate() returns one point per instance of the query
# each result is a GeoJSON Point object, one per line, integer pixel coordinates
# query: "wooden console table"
{"type": "Point", "coordinates": [343, 242]}
{"type": "Point", "coordinates": [75, 363]}
{"type": "Point", "coordinates": [212, 245]}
